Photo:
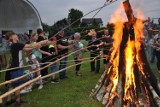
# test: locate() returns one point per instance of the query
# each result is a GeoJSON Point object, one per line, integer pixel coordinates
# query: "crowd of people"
{"type": "Point", "coordinates": [39, 52]}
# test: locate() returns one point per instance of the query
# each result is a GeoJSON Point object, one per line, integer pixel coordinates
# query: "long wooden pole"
{"type": "Point", "coordinates": [31, 81]}
{"type": "Point", "coordinates": [13, 80]}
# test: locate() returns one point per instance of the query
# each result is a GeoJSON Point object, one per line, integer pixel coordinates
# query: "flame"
{"type": "Point", "coordinates": [131, 57]}
{"type": "Point", "coordinates": [129, 71]}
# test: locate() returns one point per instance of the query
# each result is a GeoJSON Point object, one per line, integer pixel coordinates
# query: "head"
{"type": "Point", "coordinates": [92, 33]}
{"type": "Point", "coordinates": [34, 37]}
{"type": "Point", "coordinates": [12, 37]}
{"type": "Point", "coordinates": [54, 40]}
{"type": "Point", "coordinates": [106, 32]}
{"type": "Point", "coordinates": [39, 31]}
{"type": "Point", "coordinates": [77, 36]}
{"type": "Point", "coordinates": [61, 33]}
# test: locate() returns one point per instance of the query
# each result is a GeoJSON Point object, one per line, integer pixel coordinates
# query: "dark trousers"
{"type": "Point", "coordinates": [93, 67]}
{"type": "Point", "coordinates": [44, 72]}
{"type": "Point", "coordinates": [76, 62]}
{"type": "Point", "coordinates": [152, 55]}
{"type": "Point", "coordinates": [63, 64]}
{"type": "Point", "coordinates": [158, 59]}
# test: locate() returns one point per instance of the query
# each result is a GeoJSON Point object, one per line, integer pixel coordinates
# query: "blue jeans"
{"type": "Point", "coordinates": [54, 68]}
{"type": "Point", "coordinates": [63, 64]}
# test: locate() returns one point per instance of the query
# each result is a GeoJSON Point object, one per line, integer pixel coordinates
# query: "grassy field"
{"type": "Point", "coordinates": [72, 92]}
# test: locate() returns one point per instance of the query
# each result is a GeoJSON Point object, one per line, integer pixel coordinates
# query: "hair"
{"type": "Point", "coordinates": [9, 34]}
{"type": "Point", "coordinates": [76, 34]}
{"type": "Point", "coordinates": [33, 34]}
{"type": "Point", "coordinates": [39, 31]}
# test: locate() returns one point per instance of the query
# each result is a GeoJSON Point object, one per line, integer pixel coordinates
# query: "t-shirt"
{"type": "Point", "coordinates": [16, 53]}
{"type": "Point", "coordinates": [107, 47]}
{"type": "Point", "coordinates": [64, 42]}
{"type": "Point", "coordinates": [31, 62]}
{"type": "Point", "coordinates": [44, 48]}
{"type": "Point", "coordinates": [78, 46]}
{"type": "Point", "coordinates": [52, 50]}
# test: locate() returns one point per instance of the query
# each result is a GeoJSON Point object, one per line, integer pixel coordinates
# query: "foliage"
{"type": "Point", "coordinates": [75, 14]}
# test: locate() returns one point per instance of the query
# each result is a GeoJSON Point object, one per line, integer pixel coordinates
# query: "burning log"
{"type": "Point", "coordinates": [129, 78]}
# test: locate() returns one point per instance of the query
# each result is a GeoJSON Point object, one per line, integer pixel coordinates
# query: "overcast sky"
{"type": "Point", "coordinates": [54, 10]}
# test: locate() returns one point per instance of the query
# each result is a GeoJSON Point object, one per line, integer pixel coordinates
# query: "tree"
{"type": "Point", "coordinates": [75, 14]}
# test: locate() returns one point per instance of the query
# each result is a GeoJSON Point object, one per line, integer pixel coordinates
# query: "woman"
{"type": "Point", "coordinates": [78, 56]}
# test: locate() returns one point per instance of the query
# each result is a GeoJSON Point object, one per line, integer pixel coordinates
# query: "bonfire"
{"type": "Point", "coordinates": [129, 80]}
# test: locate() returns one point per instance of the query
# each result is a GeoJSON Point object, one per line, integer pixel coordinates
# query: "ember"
{"type": "Point", "coordinates": [129, 80]}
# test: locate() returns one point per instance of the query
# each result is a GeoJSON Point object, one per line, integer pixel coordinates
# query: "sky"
{"type": "Point", "coordinates": [54, 10]}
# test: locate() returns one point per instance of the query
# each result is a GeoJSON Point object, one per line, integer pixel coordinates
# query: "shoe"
{"type": "Point", "coordinates": [17, 104]}
{"type": "Point", "coordinates": [63, 77]}
{"type": "Point", "coordinates": [45, 81]}
{"type": "Point", "coordinates": [54, 81]}
{"type": "Point", "coordinates": [10, 102]}
{"type": "Point", "coordinates": [24, 91]}
{"type": "Point", "coordinates": [40, 87]}
{"type": "Point", "coordinates": [78, 74]}
{"type": "Point", "coordinates": [22, 101]}
{"type": "Point", "coordinates": [92, 71]}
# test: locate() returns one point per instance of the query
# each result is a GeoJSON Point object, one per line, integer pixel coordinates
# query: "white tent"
{"type": "Point", "coordinates": [19, 16]}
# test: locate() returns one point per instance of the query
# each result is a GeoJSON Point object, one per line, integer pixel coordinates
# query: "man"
{"type": "Point", "coordinates": [44, 57]}
{"type": "Point", "coordinates": [94, 51]}
{"type": "Point", "coordinates": [17, 61]}
{"type": "Point", "coordinates": [63, 45]}
{"type": "Point", "coordinates": [107, 44]}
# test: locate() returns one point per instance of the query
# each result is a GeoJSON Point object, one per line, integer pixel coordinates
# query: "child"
{"type": "Point", "coordinates": [31, 59]}
{"type": "Point", "coordinates": [53, 50]}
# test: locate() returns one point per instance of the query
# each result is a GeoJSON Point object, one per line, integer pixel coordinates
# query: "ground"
{"type": "Point", "coordinates": [72, 92]}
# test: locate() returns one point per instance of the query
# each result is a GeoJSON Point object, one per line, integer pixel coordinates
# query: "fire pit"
{"type": "Point", "coordinates": [129, 80]}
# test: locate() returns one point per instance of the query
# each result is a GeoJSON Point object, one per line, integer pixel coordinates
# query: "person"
{"type": "Point", "coordinates": [159, 21]}
{"type": "Point", "coordinates": [54, 51]}
{"type": "Point", "coordinates": [152, 50]}
{"type": "Point", "coordinates": [17, 61]}
{"type": "Point", "coordinates": [43, 56]}
{"type": "Point", "coordinates": [94, 51]}
{"type": "Point", "coordinates": [63, 45]}
{"type": "Point", "coordinates": [157, 52]}
{"type": "Point", "coordinates": [78, 56]}
{"type": "Point", "coordinates": [107, 40]}
{"type": "Point", "coordinates": [32, 60]}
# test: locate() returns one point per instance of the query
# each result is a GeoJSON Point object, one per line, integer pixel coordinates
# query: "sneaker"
{"type": "Point", "coordinates": [40, 87]}
{"type": "Point", "coordinates": [54, 81]}
{"type": "Point", "coordinates": [24, 91]}
{"type": "Point", "coordinates": [78, 74]}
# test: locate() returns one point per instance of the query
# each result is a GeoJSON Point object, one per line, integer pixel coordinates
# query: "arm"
{"type": "Point", "coordinates": [36, 62]}
{"type": "Point", "coordinates": [44, 52]}
{"type": "Point", "coordinates": [63, 47]}
{"type": "Point", "coordinates": [71, 41]}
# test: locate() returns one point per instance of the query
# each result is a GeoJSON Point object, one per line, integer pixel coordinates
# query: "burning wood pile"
{"type": "Point", "coordinates": [129, 80]}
